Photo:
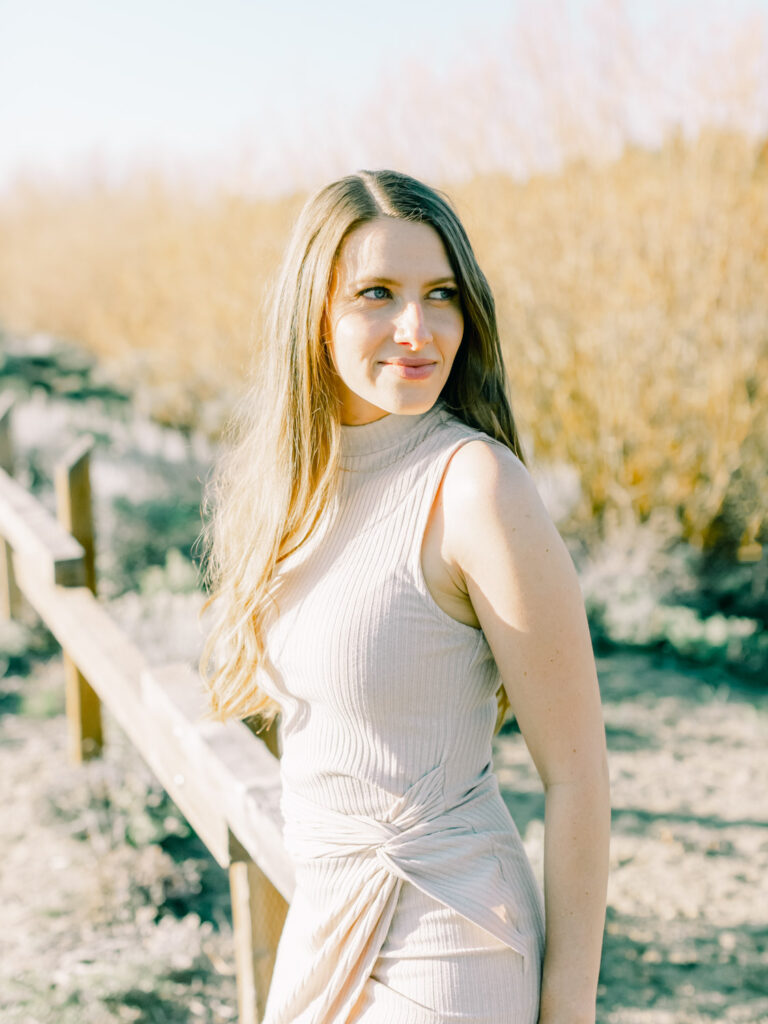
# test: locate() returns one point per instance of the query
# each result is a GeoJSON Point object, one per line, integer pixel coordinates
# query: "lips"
{"type": "Point", "coordinates": [409, 362]}
{"type": "Point", "coordinates": [411, 369]}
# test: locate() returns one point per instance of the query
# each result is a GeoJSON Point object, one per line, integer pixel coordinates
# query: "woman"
{"type": "Point", "coordinates": [386, 576]}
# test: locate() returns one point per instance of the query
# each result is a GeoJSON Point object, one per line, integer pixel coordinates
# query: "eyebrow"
{"type": "Point", "coordinates": [380, 279]}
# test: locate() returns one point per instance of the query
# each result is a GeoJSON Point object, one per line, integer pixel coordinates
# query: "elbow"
{"type": "Point", "coordinates": [588, 775]}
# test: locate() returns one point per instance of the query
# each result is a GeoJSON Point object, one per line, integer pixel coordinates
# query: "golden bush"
{"type": "Point", "coordinates": [632, 300]}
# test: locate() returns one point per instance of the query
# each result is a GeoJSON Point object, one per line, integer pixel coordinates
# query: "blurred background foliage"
{"type": "Point", "coordinates": [632, 301]}
{"type": "Point", "coordinates": [614, 182]}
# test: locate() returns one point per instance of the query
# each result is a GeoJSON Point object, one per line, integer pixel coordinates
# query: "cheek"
{"type": "Point", "coordinates": [453, 330]}
{"type": "Point", "coordinates": [347, 353]}
{"type": "Point", "coordinates": [354, 338]}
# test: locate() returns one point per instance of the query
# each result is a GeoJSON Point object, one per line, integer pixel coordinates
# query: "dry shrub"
{"type": "Point", "coordinates": [162, 285]}
{"type": "Point", "coordinates": [632, 300]}
{"type": "Point", "coordinates": [634, 311]}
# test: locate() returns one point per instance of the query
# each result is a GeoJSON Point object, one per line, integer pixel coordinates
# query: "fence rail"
{"type": "Point", "coordinates": [224, 779]}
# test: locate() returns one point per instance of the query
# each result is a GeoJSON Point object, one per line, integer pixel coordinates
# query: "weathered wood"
{"type": "Point", "coordinates": [258, 915]}
{"type": "Point", "coordinates": [114, 665]}
{"type": "Point", "coordinates": [228, 769]}
{"type": "Point", "coordinates": [73, 508]}
{"type": "Point", "coordinates": [72, 483]}
{"type": "Point", "coordinates": [36, 536]}
{"type": "Point", "coordinates": [10, 595]}
{"type": "Point", "coordinates": [85, 737]}
{"type": "Point", "coordinates": [252, 792]}
{"type": "Point", "coordinates": [6, 439]}
{"type": "Point", "coordinates": [227, 784]}
{"type": "Point", "coordinates": [222, 777]}
{"type": "Point", "coordinates": [9, 591]}
{"type": "Point", "coordinates": [95, 643]}
{"type": "Point", "coordinates": [180, 761]}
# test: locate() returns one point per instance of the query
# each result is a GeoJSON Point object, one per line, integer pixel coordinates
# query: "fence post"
{"type": "Point", "coordinates": [258, 915]}
{"type": "Point", "coordinates": [10, 595]}
{"type": "Point", "coordinates": [73, 508]}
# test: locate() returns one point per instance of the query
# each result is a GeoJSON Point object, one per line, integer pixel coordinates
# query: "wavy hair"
{"type": "Point", "coordinates": [279, 464]}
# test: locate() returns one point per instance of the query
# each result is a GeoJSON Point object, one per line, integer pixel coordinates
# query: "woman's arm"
{"type": "Point", "coordinates": [518, 574]}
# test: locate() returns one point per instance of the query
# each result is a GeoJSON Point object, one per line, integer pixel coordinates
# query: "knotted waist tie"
{"type": "Point", "coordinates": [312, 830]}
{"type": "Point", "coordinates": [349, 872]}
{"type": "Point", "coordinates": [423, 839]}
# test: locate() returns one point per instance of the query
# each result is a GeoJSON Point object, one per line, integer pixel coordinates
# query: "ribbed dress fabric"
{"type": "Point", "coordinates": [414, 901]}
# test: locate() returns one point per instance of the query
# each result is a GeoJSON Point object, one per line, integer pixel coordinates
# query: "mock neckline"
{"type": "Point", "coordinates": [386, 436]}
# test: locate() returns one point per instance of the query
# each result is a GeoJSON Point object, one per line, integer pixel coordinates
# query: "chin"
{"type": "Point", "coordinates": [411, 405]}
{"type": "Point", "coordinates": [415, 398]}
{"type": "Point", "coordinates": [404, 401]}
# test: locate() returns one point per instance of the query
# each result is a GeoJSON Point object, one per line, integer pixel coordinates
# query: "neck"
{"type": "Point", "coordinates": [388, 431]}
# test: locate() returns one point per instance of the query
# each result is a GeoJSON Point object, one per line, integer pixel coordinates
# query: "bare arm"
{"type": "Point", "coordinates": [523, 587]}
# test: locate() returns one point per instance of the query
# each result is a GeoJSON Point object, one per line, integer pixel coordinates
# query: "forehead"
{"type": "Point", "coordinates": [387, 247]}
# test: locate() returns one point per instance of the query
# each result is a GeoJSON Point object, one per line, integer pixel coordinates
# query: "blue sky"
{"type": "Point", "coordinates": [186, 80]}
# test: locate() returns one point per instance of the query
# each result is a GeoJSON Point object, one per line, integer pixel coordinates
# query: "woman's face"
{"type": "Point", "coordinates": [394, 319]}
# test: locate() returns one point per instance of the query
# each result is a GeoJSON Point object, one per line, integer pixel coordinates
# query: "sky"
{"type": "Point", "coordinates": [203, 83]}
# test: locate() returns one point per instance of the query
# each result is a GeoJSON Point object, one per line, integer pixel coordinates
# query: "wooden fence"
{"type": "Point", "coordinates": [224, 779]}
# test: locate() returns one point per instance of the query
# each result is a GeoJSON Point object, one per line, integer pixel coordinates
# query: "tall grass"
{"type": "Point", "coordinates": [632, 299]}
{"type": "Point", "coordinates": [162, 288]}
{"type": "Point", "coordinates": [634, 304]}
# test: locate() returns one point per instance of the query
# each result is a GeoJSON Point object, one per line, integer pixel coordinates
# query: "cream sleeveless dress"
{"type": "Point", "coordinates": [414, 902]}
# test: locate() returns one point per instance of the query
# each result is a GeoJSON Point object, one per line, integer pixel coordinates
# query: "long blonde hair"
{"type": "Point", "coordinates": [279, 465]}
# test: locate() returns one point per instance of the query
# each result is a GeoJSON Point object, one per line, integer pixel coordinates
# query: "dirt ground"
{"type": "Point", "coordinates": [686, 937]}
{"type": "Point", "coordinates": [114, 911]}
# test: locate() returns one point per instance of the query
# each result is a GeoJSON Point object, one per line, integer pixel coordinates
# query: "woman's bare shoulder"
{"type": "Point", "coordinates": [483, 469]}
{"type": "Point", "coordinates": [488, 491]}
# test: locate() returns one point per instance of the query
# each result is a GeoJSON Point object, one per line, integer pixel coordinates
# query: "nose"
{"type": "Point", "coordinates": [411, 326]}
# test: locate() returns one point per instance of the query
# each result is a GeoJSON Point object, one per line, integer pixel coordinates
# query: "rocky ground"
{"type": "Point", "coordinates": [686, 937]}
{"type": "Point", "coordinates": [113, 909]}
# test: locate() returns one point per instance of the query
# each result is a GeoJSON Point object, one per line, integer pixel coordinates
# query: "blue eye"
{"type": "Point", "coordinates": [384, 292]}
{"type": "Point", "coordinates": [448, 292]}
